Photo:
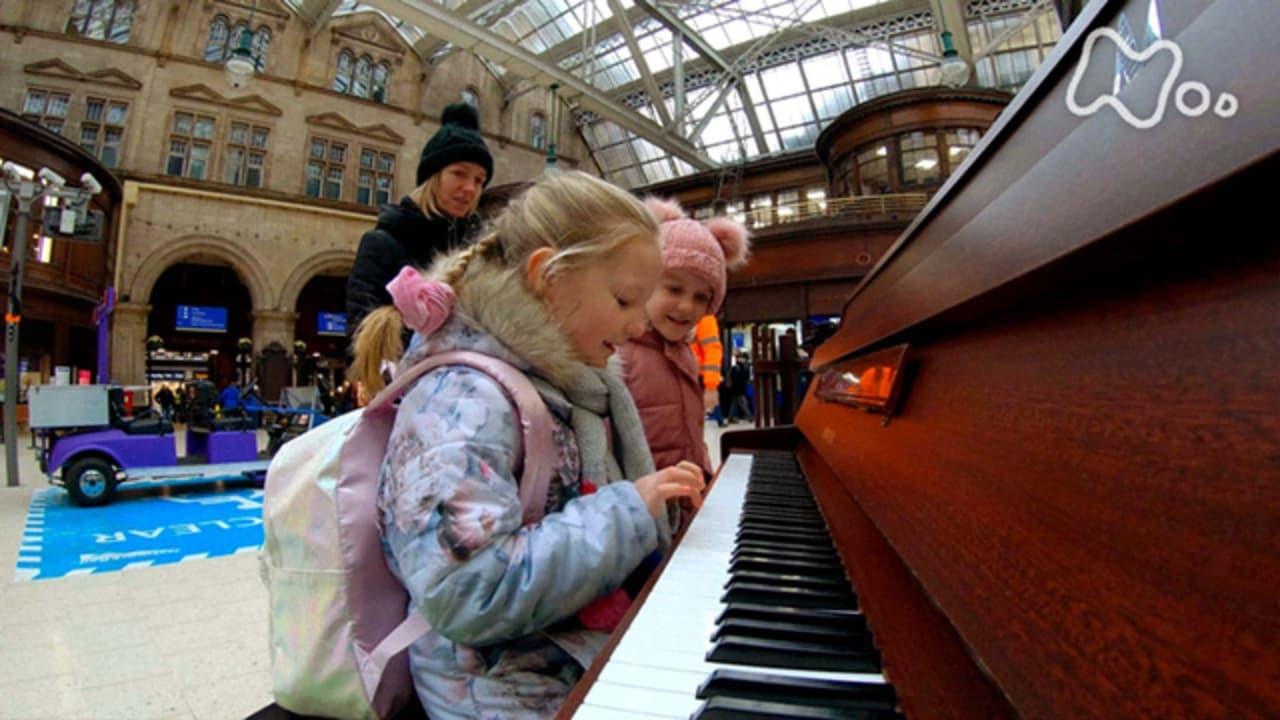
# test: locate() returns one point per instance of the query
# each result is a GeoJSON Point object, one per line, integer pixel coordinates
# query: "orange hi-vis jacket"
{"type": "Point", "coordinates": [708, 350]}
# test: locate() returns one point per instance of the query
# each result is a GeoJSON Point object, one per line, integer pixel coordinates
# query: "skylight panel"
{"type": "Point", "coordinates": [781, 81]}
{"type": "Point", "coordinates": [824, 70]}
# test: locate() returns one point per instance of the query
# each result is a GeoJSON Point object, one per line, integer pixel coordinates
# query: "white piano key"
{"type": "Point", "coordinates": [661, 703]}
{"type": "Point", "coordinates": [594, 712]}
{"type": "Point", "coordinates": [650, 677]}
{"type": "Point", "coordinates": [661, 659]}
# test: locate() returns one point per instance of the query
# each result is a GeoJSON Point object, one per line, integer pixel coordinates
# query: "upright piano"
{"type": "Point", "coordinates": [1037, 472]}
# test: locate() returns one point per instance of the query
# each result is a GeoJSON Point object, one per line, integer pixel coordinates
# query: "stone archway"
{"type": "Point", "coordinates": [194, 248]}
{"type": "Point", "coordinates": [129, 322]}
{"type": "Point", "coordinates": [309, 268]}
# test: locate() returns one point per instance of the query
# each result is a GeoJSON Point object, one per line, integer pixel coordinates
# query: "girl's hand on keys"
{"type": "Point", "coordinates": [683, 480]}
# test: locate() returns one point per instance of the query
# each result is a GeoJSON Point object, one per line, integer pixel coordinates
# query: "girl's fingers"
{"type": "Point", "coordinates": [675, 490]}
{"type": "Point", "coordinates": [694, 472]}
{"type": "Point", "coordinates": [689, 467]}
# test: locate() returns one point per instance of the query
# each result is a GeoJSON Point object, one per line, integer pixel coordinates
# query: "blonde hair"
{"type": "Point", "coordinates": [582, 218]}
{"type": "Point", "coordinates": [424, 196]}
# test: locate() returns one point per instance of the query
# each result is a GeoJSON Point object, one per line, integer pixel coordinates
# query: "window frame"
{"type": "Point", "coordinates": [102, 127]}
{"type": "Point", "coordinates": [908, 157]}
{"type": "Point", "coordinates": [538, 130]}
{"type": "Point", "coordinates": [259, 42]}
{"type": "Point", "coordinates": [191, 141]}
{"type": "Point", "coordinates": [866, 156]}
{"type": "Point", "coordinates": [375, 173]}
{"type": "Point", "coordinates": [44, 118]}
{"type": "Point", "coordinates": [249, 149]}
{"type": "Point", "coordinates": [371, 70]}
{"type": "Point", "coordinates": [81, 19]}
{"type": "Point", "coordinates": [326, 165]}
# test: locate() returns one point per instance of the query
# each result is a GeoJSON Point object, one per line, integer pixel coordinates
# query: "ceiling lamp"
{"type": "Point", "coordinates": [955, 70]}
{"type": "Point", "coordinates": [242, 64]}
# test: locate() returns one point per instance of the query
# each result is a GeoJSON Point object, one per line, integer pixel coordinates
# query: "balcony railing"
{"type": "Point", "coordinates": [903, 206]}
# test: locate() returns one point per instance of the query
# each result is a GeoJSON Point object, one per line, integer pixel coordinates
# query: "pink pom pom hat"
{"type": "Point", "coordinates": [706, 251]}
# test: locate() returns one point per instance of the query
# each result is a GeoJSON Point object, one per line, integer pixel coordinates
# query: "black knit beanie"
{"type": "Point", "coordinates": [457, 140]}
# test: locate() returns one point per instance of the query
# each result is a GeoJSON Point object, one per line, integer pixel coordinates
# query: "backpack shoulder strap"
{"type": "Point", "coordinates": [538, 451]}
{"type": "Point", "coordinates": [531, 411]}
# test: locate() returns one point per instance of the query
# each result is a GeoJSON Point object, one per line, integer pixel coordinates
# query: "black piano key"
{"type": "Point", "coordinates": [793, 654]}
{"type": "Point", "coordinates": [799, 495]}
{"type": "Point", "coordinates": [798, 690]}
{"type": "Point", "coordinates": [723, 708]}
{"type": "Point", "coordinates": [772, 530]}
{"type": "Point", "coordinates": [778, 487]}
{"type": "Point", "coordinates": [762, 508]}
{"type": "Point", "coordinates": [848, 618]}
{"type": "Point", "coordinates": [789, 566]}
{"type": "Point", "coordinates": [784, 522]}
{"type": "Point", "coordinates": [767, 522]}
{"type": "Point", "coordinates": [789, 596]}
{"type": "Point", "coordinates": [805, 632]}
{"type": "Point", "coordinates": [782, 537]}
{"type": "Point", "coordinates": [817, 582]}
{"type": "Point", "coordinates": [782, 551]}
{"type": "Point", "coordinates": [783, 514]}
{"type": "Point", "coordinates": [786, 513]}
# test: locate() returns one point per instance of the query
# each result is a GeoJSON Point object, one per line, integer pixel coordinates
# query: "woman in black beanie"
{"type": "Point", "coordinates": [435, 217]}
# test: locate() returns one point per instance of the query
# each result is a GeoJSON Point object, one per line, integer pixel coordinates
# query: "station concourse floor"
{"type": "Point", "coordinates": [184, 641]}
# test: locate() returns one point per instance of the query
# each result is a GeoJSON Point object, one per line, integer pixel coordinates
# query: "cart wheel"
{"type": "Point", "coordinates": [91, 481]}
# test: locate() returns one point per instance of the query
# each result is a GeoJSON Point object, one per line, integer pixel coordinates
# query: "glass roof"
{"type": "Point", "coordinates": [782, 69]}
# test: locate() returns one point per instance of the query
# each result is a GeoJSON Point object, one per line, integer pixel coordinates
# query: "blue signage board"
{"type": "Point", "coordinates": [198, 318]}
{"type": "Point", "coordinates": [331, 324]}
{"type": "Point", "coordinates": [61, 539]}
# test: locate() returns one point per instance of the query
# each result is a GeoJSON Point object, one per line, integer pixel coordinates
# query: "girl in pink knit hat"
{"type": "Point", "coordinates": [661, 371]}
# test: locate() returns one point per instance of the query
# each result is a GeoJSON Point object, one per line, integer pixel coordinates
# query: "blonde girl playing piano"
{"type": "Point", "coordinates": [554, 289]}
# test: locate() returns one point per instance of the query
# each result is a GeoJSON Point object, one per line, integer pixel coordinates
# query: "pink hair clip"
{"type": "Point", "coordinates": [424, 304]}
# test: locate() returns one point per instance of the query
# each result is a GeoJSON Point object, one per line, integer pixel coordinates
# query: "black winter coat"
{"type": "Point", "coordinates": [403, 236]}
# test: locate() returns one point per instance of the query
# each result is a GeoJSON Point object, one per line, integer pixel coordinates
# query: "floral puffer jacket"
{"type": "Point", "coordinates": [500, 597]}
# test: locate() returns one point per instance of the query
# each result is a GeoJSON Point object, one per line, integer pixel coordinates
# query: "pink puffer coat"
{"type": "Point", "coordinates": [663, 379]}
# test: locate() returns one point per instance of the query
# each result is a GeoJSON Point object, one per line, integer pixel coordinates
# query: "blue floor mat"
{"type": "Point", "coordinates": [146, 525]}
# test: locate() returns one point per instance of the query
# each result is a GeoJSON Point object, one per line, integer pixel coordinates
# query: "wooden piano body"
{"type": "Point", "coordinates": [1074, 509]}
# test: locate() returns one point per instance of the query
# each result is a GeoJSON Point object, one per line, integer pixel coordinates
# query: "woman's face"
{"type": "Point", "coordinates": [460, 184]}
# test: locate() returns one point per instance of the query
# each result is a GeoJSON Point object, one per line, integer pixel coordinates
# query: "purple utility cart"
{"type": "Point", "coordinates": [86, 442]}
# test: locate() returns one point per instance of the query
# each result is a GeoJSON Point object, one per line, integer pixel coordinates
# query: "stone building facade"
{"type": "Point", "coordinates": [276, 179]}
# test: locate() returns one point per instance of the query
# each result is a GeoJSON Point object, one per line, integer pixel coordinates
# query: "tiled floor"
{"type": "Point", "coordinates": [174, 641]}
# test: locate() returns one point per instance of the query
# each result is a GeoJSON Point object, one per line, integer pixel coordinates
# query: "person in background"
{"type": "Point", "coordinates": [229, 398]}
{"type": "Point", "coordinates": [435, 217]}
{"type": "Point", "coordinates": [709, 353]}
{"type": "Point", "coordinates": [739, 381]}
{"type": "Point", "coordinates": [164, 398]}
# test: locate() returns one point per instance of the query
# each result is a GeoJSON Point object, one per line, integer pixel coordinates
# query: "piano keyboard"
{"type": "Point", "coordinates": [752, 617]}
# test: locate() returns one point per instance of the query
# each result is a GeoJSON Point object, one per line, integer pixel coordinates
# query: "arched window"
{"type": "Point", "coordinates": [102, 19]}
{"type": "Point", "coordinates": [261, 44]}
{"type": "Point", "coordinates": [470, 97]}
{"type": "Point", "coordinates": [538, 130]}
{"type": "Point", "coordinates": [219, 33]}
{"type": "Point", "coordinates": [238, 31]}
{"type": "Point", "coordinates": [342, 78]}
{"type": "Point", "coordinates": [363, 78]}
{"type": "Point", "coordinates": [381, 73]}
{"type": "Point", "coordinates": [224, 38]}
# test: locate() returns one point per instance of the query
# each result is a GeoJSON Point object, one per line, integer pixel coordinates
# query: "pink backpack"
{"type": "Point", "coordinates": [338, 627]}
